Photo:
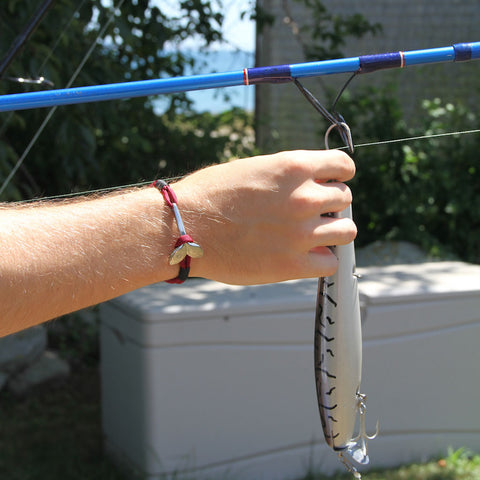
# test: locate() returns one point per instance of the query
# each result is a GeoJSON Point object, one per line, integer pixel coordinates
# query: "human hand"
{"type": "Point", "coordinates": [260, 219]}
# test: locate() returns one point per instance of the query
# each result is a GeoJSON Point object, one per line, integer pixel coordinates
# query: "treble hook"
{"type": "Point", "coordinates": [336, 120]}
{"type": "Point", "coordinates": [358, 447]}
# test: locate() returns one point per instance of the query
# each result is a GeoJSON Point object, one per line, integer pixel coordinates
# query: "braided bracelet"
{"type": "Point", "coordinates": [185, 248]}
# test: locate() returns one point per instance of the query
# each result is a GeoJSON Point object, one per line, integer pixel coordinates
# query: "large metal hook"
{"type": "Point", "coordinates": [336, 120]}
{"type": "Point", "coordinates": [358, 447]}
{"type": "Point", "coordinates": [345, 133]}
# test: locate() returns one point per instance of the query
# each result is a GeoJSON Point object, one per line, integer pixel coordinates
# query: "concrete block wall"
{"type": "Point", "coordinates": [286, 121]}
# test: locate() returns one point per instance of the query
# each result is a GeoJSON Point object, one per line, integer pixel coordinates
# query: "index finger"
{"type": "Point", "coordinates": [331, 165]}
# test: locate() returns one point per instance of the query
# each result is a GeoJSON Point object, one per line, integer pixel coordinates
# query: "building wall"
{"type": "Point", "coordinates": [286, 121]}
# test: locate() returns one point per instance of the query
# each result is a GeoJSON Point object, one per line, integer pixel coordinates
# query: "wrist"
{"type": "Point", "coordinates": [196, 212]}
{"type": "Point", "coordinates": [160, 235]}
{"type": "Point", "coordinates": [185, 248]}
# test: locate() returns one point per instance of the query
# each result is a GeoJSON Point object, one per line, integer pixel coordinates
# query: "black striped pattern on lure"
{"type": "Point", "coordinates": [338, 359]}
{"type": "Point", "coordinates": [338, 332]}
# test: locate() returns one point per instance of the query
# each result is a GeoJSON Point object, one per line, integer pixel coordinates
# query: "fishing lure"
{"type": "Point", "coordinates": [338, 336]}
{"type": "Point", "coordinates": [338, 359]}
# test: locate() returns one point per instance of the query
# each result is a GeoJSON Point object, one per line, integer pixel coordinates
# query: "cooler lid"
{"type": "Point", "coordinates": [418, 282]}
{"type": "Point", "coordinates": [199, 298]}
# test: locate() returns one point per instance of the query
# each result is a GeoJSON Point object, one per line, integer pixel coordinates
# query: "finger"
{"type": "Point", "coordinates": [330, 165]}
{"type": "Point", "coordinates": [322, 262]}
{"type": "Point", "coordinates": [328, 197]}
{"type": "Point", "coordinates": [326, 164]}
{"type": "Point", "coordinates": [334, 231]}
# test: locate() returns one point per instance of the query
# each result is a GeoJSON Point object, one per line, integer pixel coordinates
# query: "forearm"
{"type": "Point", "coordinates": [58, 258]}
{"type": "Point", "coordinates": [258, 220]}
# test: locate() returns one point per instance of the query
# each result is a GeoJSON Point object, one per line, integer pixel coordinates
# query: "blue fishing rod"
{"type": "Point", "coordinates": [249, 76]}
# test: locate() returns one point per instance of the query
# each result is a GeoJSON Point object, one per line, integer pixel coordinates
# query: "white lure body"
{"type": "Point", "coordinates": [338, 358]}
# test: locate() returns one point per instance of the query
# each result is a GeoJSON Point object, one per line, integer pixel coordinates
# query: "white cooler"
{"type": "Point", "coordinates": [208, 380]}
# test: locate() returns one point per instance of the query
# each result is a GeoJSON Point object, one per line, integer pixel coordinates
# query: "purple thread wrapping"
{"type": "Point", "coordinates": [371, 63]}
{"type": "Point", "coordinates": [276, 74]}
{"type": "Point", "coordinates": [463, 52]}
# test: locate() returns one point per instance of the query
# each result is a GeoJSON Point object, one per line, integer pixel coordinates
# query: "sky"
{"type": "Point", "coordinates": [240, 35]}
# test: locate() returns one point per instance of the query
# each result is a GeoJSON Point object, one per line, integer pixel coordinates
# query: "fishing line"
{"type": "Point", "coordinates": [53, 109]}
{"type": "Point", "coordinates": [59, 38]}
{"type": "Point", "coordinates": [336, 120]}
{"type": "Point", "coordinates": [24, 35]}
{"type": "Point", "coordinates": [411, 139]}
{"type": "Point", "coordinates": [179, 177]}
{"type": "Point", "coordinates": [40, 80]}
{"type": "Point", "coordinates": [96, 191]}
{"type": "Point", "coordinates": [45, 61]}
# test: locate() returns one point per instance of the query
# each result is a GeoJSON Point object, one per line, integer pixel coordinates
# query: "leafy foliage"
{"type": "Point", "coordinates": [326, 33]}
{"type": "Point", "coordinates": [425, 191]}
{"type": "Point", "coordinates": [98, 145]}
{"type": "Point", "coordinates": [445, 180]}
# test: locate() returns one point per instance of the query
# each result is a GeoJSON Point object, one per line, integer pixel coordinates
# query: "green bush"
{"type": "Point", "coordinates": [425, 191]}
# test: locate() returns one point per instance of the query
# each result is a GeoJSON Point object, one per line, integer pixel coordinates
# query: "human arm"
{"type": "Point", "coordinates": [258, 220]}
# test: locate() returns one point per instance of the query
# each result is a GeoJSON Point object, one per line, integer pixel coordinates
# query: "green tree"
{"type": "Point", "coordinates": [326, 33]}
{"type": "Point", "coordinates": [110, 143]}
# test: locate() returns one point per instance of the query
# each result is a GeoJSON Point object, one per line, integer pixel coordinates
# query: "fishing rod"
{"type": "Point", "coordinates": [249, 76]}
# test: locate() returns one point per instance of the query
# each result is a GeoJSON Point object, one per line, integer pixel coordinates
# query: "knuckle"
{"type": "Point", "coordinates": [296, 162]}
{"type": "Point", "coordinates": [305, 201]}
{"type": "Point", "coordinates": [292, 161]}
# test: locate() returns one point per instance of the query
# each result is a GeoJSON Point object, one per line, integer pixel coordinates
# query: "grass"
{"type": "Point", "coordinates": [458, 465]}
{"type": "Point", "coordinates": [55, 433]}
